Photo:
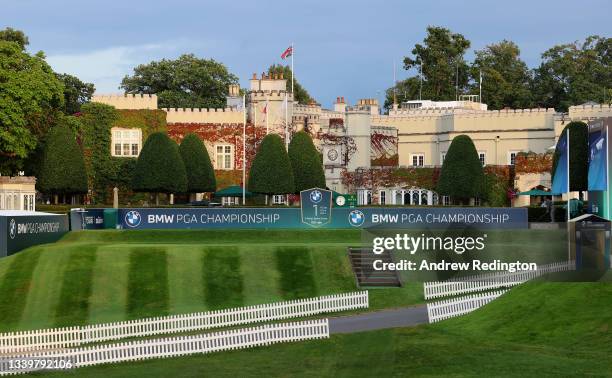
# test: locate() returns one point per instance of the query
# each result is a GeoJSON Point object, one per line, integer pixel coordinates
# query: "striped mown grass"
{"type": "Point", "coordinates": [15, 287]}
{"type": "Point", "coordinates": [147, 283]}
{"type": "Point", "coordinates": [73, 305]}
{"type": "Point", "coordinates": [92, 277]}
{"type": "Point", "coordinates": [297, 277]}
{"type": "Point", "coordinates": [223, 284]}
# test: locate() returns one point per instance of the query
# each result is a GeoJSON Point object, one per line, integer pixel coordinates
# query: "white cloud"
{"type": "Point", "coordinates": [106, 67]}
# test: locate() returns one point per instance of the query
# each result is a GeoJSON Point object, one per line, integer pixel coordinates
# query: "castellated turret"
{"type": "Point", "coordinates": [270, 104]}
{"type": "Point", "coordinates": [359, 128]}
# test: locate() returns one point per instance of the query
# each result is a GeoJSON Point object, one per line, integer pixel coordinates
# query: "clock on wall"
{"type": "Point", "coordinates": [332, 155]}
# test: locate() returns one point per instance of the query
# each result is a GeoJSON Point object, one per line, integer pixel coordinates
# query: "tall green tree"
{"type": "Point", "coordinates": [63, 169]}
{"type": "Point", "coordinates": [271, 171]}
{"type": "Point", "coordinates": [578, 155]}
{"type": "Point", "coordinates": [159, 168]}
{"type": "Point", "coordinates": [305, 163]}
{"type": "Point", "coordinates": [200, 172]}
{"type": "Point", "coordinates": [186, 82]}
{"type": "Point", "coordinates": [403, 90]}
{"type": "Point", "coordinates": [13, 35]}
{"type": "Point", "coordinates": [29, 93]}
{"type": "Point", "coordinates": [575, 73]}
{"type": "Point", "coordinates": [441, 56]}
{"type": "Point", "coordinates": [76, 93]}
{"type": "Point", "coordinates": [462, 176]}
{"type": "Point", "coordinates": [300, 94]}
{"type": "Point", "coordinates": [506, 78]}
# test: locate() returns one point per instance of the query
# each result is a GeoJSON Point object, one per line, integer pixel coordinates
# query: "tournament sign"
{"type": "Point", "coordinates": [316, 206]}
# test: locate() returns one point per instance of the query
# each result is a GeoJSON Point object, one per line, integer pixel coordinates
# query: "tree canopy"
{"type": "Point", "coordinates": [62, 169]}
{"type": "Point", "coordinates": [76, 93]}
{"type": "Point", "coordinates": [29, 91]}
{"type": "Point", "coordinates": [271, 171]}
{"type": "Point", "coordinates": [305, 163]}
{"type": "Point", "coordinates": [506, 77]}
{"type": "Point", "coordinates": [462, 176]}
{"type": "Point", "coordinates": [441, 56]}
{"type": "Point", "coordinates": [13, 35]}
{"type": "Point", "coordinates": [199, 169]}
{"type": "Point", "coordinates": [186, 82]}
{"type": "Point", "coordinates": [574, 73]}
{"type": "Point", "coordinates": [578, 155]}
{"type": "Point", "coordinates": [159, 168]}
{"type": "Point", "coordinates": [300, 94]}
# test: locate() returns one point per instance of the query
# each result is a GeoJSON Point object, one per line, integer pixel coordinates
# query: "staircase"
{"type": "Point", "coordinates": [361, 262]}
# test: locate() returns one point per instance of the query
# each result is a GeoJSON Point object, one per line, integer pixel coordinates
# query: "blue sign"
{"type": "Point", "coordinates": [346, 218]}
{"type": "Point", "coordinates": [598, 160]}
{"type": "Point", "coordinates": [560, 181]}
{"type": "Point", "coordinates": [316, 206]}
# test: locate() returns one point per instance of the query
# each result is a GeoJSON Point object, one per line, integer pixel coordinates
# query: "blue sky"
{"type": "Point", "coordinates": [342, 48]}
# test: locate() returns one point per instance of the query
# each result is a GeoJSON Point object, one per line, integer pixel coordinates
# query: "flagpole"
{"type": "Point", "coordinates": [286, 122]}
{"type": "Point", "coordinates": [568, 175]}
{"type": "Point", "coordinates": [480, 88]}
{"type": "Point", "coordinates": [292, 71]}
{"type": "Point", "coordinates": [607, 170]}
{"type": "Point", "coordinates": [267, 110]}
{"type": "Point", "coordinates": [243, 150]}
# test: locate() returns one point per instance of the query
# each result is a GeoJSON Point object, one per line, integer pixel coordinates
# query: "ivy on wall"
{"type": "Point", "coordinates": [104, 171]}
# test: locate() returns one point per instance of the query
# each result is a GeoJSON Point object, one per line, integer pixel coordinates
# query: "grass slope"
{"type": "Point", "coordinates": [93, 277]}
{"type": "Point", "coordinates": [539, 329]}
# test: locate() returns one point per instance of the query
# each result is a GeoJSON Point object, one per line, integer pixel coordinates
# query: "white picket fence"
{"type": "Point", "coordinates": [49, 339]}
{"type": "Point", "coordinates": [449, 308]}
{"type": "Point", "coordinates": [184, 345]}
{"type": "Point", "coordinates": [490, 281]}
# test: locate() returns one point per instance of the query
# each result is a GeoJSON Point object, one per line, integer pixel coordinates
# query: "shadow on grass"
{"type": "Point", "coordinates": [147, 283]}
{"type": "Point", "coordinates": [223, 284]}
{"type": "Point", "coordinates": [296, 272]}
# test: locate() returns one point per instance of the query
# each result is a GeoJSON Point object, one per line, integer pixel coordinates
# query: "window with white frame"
{"type": "Point", "coordinates": [477, 202]}
{"type": "Point", "coordinates": [278, 199]}
{"type": "Point", "coordinates": [230, 201]}
{"type": "Point", "coordinates": [446, 200]}
{"type": "Point", "coordinates": [418, 160]}
{"type": "Point", "coordinates": [382, 197]}
{"type": "Point", "coordinates": [483, 158]}
{"type": "Point", "coordinates": [442, 157]}
{"type": "Point", "coordinates": [125, 142]}
{"type": "Point", "coordinates": [224, 156]}
{"type": "Point", "coordinates": [512, 157]}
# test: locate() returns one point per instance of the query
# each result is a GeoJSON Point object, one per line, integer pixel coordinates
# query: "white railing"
{"type": "Point", "coordinates": [490, 281]}
{"type": "Point", "coordinates": [48, 339]}
{"type": "Point", "coordinates": [458, 306]}
{"type": "Point", "coordinates": [183, 345]}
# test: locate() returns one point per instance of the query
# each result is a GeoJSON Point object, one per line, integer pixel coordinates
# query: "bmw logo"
{"type": "Point", "coordinates": [316, 196]}
{"type": "Point", "coordinates": [12, 229]}
{"type": "Point", "coordinates": [356, 218]}
{"type": "Point", "coordinates": [132, 218]}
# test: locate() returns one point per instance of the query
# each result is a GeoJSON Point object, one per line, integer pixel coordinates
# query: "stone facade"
{"type": "Point", "coordinates": [17, 193]}
{"type": "Point", "coordinates": [417, 133]}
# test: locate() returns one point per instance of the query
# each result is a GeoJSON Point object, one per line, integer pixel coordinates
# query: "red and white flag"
{"type": "Point", "coordinates": [265, 109]}
{"type": "Point", "coordinates": [287, 52]}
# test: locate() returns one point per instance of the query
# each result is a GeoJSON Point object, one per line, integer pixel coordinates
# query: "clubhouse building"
{"type": "Point", "coordinates": [384, 159]}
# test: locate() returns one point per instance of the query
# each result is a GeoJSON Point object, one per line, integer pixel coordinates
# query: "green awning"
{"type": "Point", "coordinates": [232, 191]}
{"type": "Point", "coordinates": [535, 192]}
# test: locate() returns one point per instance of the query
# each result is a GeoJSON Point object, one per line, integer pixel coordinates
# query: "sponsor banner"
{"type": "Point", "coordinates": [25, 231]}
{"type": "Point", "coordinates": [291, 218]}
{"type": "Point", "coordinates": [90, 219]}
{"type": "Point", "coordinates": [316, 206]}
{"type": "Point", "coordinates": [598, 157]}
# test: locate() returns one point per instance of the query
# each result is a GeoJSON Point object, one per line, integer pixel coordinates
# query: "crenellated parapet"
{"type": "Point", "coordinates": [274, 95]}
{"type": "Point", "coordinates": [203, 115]}
{"type": "Point", "coordinates": [590, 111]}
{"type": "Point", "coordinates": [127, 101]}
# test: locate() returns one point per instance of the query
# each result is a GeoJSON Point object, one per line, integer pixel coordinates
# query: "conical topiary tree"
{"type": "Point", "coordinates": [462, 176]}
{"type": "Point", "coordinates": [199, 169]}
{"type": "Point", "coordinates": [305, 163]}
{"type": "Point", "coordinates": [159, 168]}
{"type": "Point", "coordinates": [271, 169]}
{"type": "Point", "coordinates": [62, 169]}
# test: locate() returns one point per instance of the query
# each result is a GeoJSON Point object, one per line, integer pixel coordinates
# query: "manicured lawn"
{"type": "Point", "coordinates": [92, 277]}
{"type": "Point", "coordinates": [539, 329]}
